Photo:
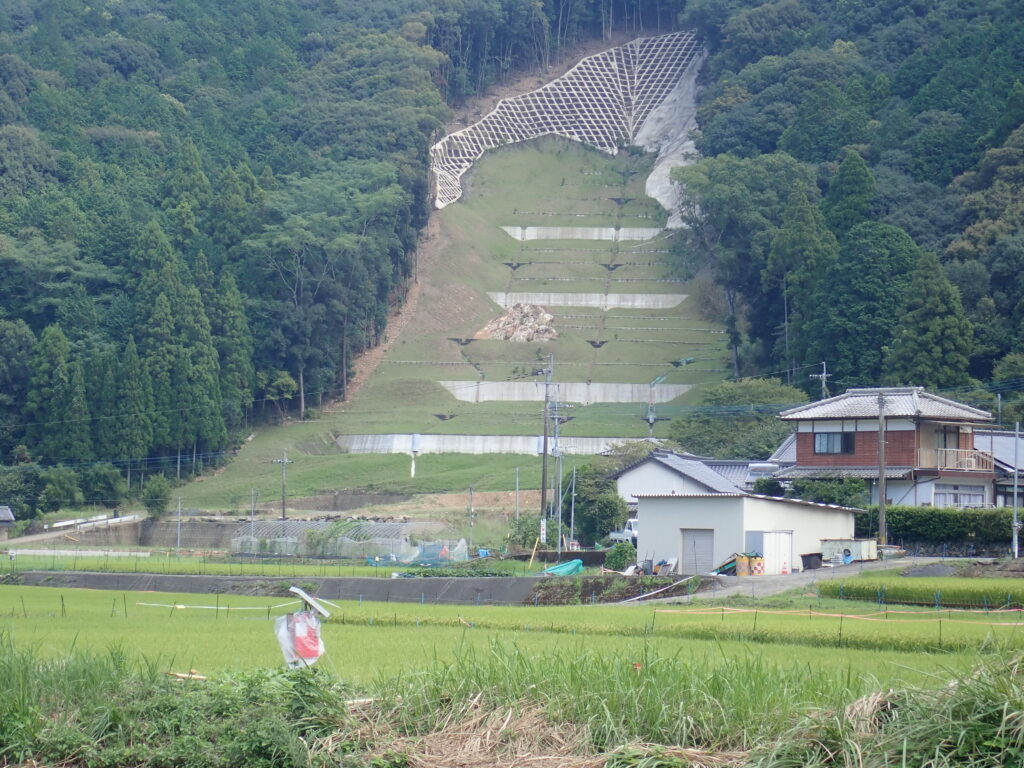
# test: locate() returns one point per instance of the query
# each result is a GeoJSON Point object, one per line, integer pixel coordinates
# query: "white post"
{"type": "Point", "coordinates": [517, 493]}
{"type": "Point", "coordinates": [1016, 474]}
{"type": "Point", "coordinates": [179, 524]}
{"type": "Point", "coordinates": [572, 509]}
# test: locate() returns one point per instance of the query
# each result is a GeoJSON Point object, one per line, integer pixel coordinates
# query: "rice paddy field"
{"type": "Point", "coordinates": [86, 679]}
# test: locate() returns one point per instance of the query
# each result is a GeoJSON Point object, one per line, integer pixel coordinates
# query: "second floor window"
{"type": "Point", "coordinates": [833, 442]}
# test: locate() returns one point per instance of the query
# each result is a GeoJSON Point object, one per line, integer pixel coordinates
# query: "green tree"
{"type": "Point", "coordinates": [620, 557]}
{"type": "Point", "coordinates": [60, 489]}
{"type": "Point", "coordinates": [851, 193]}
{"type": "Point", "coordinates": [932, 344]}
{"type": "Point", "coordinates": [18, 343]}
{"type": "Point", "coordinates": [102, 390]}
{"type": "Point", "coordinates": [156, 495]}
{"type": "Point", "coordinates": [136, 415]}
{"type": "Point", "coordinates": [599, 508]}
{"type": "Point", "coordinates": [77, 423]}
{"type": "Point", "coordinates": [802, 252]}
{"type": "Point", "coordinates": [861, 301]}
{"type": "Point", "coordinates": [846, 491]}
{"type": "Point", "coordinates": [102, 484]}
{"type": "Point", "coordinates": [737, 420]}
{"type": "Point", "coordinates": [55, 407]}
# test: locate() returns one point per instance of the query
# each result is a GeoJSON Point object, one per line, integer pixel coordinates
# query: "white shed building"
{"type": "Point", "coordinates": [702, 530]}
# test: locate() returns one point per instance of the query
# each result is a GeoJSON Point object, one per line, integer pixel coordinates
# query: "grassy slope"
{"type": "Point", "coordinates": [542, 183]}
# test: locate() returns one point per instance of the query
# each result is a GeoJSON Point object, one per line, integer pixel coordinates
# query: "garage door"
{"type": "Point", "coordinates": [697, 549]}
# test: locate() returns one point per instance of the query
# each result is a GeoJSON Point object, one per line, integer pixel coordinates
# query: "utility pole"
{"type": "Point", "coordinates": [544, 448]}
{"type": "Point", "coordinates": [824, 376]}
{"type": "Point", "coordinates": [651, 415]}
{"type": "Point", "coordinates": [883, 534]}
{"type": "Point", "coordinates": [572, 509]}
{"type": "Point", "coordinates": [284, 462]}
{"type": "Point", "coordinates": [471, 514]}
{"type": "Point", "coordinates": [252, 516]}
{"type": "Point", "coordinates": [517, 493]}
{"type": "Point", "coordinates": [1016, 475]}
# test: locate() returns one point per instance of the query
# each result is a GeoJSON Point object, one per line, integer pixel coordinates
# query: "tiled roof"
{"type": "Point", "coordinates": [786, 452]}
{"type": "Point", "coordinates": [792, 473]}
{"type": "Point", "coordinates": [905, 402]}
{"type": "Point", "coordinates": [6, 515]}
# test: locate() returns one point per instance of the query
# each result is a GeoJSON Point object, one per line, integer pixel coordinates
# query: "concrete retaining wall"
{"type": "Point", "coordinates": [195, 534]}
{"type": "Point", "coordinates": [473, 444]}
{"type": "Point", "coordinates": [604, 301]}
{"type": "Point", "coordinates": [461, 591]}
{"type": "Point", "coordinates": [566, 391]}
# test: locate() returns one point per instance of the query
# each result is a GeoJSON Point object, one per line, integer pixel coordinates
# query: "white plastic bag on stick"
{"type": "Point", "coordinates": [298, 634]}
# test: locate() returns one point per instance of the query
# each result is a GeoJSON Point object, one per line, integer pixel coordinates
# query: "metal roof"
{"type": "Point", "coordinates": [6, 515]}
{"type": "Point", "coordinates": [696, 470]}
{"type": "Point", "coordinates": [793, 473]}
{"type": "Point", "coordinates": [742, 495]}
{"type": "Point", "coordinates": [1000, 444]}
{"type": "Point", "coordinates": [901, 402]}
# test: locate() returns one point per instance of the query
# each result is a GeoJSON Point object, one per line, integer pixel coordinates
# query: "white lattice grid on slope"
{"type": "Point", "coordinates": [602, 101]}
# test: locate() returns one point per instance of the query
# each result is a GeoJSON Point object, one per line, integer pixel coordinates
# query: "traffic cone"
{"type": "Point", "coordinates": [785, 568]}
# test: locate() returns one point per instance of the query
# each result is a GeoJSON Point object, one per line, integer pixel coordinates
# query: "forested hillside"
{"type": "Point", "coordinates": [860, 200]}
{"type": "Point", "coordinates": [206, 210]}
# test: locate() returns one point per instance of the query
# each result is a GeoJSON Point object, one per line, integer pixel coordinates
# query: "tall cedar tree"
{"type": "Point", "coordinates": [104, 405]}
{"type": "Point", "coordinates": [858, 302]}
{"type": "Point", "coordinates": [204, 422]}
{"type": "Point", "coordinates": [165, 360]}
{"type": "Point", "coordinates": [850, 195]}
{"type": "Point", "coordinates": [48, 392]}
{"type": "Point", "coordinates": [802, 252]}
{"type": "Point", "coordinates": [135, 400]}
{"type": "Point", "coordinates": [932, 345]}
{"type": "Point", "coordinates": [77, 424]}
{"type": "Point", "coordinates": [18, 343]}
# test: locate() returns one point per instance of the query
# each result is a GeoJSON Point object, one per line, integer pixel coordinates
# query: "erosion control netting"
{"type": "Point", "coordinates": [348, 539]}
{"type": "Point", "coordinates": [603, 101]}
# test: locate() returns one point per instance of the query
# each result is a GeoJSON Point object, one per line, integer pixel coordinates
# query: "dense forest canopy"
{"type": "Point", "coordinates": [859, 200]}
{"type": "Point", "coordinates": [206, 209]}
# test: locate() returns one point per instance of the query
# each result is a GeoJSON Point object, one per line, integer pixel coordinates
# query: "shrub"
{"type": "Point", "coordinates": [156, 495]}
{"type": "Point", "coordinates": [939, 524]}
{"type": "Point", "coordinates": [619, 557]}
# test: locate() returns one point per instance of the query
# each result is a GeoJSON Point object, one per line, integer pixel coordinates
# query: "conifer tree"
{"type": "Point", "coordinates": [235, 349]}
{"type": "Point", "coordinates": [932, 344]}
{"type": "Point", "coordinates": [802, 252]}
{"type": "Point", "coordinates": [103, 404]}
{"type": "Point", "coordinates": [76, 427]}
{"type": "Point", "coordinates": [135, 400]}
{"type": "Point", "coordinates": [858, 303]}
{"type": "Point", "coordinates": [48, 389]}
{"type": "Point", "coordinates": [850, 195]}
{"type": "Point", "coordinates": [164, 362]}
{"type": "Point", "coordinates": [203, 422]}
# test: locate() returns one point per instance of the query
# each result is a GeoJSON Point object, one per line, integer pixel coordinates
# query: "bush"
{"type": "Point", "coordinates": [939, 524]}
{"type": "Point", "coordinates": [156, 495]}
{"type": "Point", "coordinates": [621, 556]}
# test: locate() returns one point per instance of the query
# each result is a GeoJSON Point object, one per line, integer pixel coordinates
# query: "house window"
{"type": "Point", "coordinates": [833, 442]}
{"type": "Point", "coordinates": [948, 495]}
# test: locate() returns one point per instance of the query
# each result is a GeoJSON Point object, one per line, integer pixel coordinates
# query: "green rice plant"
{"type": "Point", "coordinates": [937, 592]}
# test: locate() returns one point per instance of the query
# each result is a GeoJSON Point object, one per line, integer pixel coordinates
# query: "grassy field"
{"type": "Point", "coordinates": [219, 634]}
{"type": "Point", "coordinates": [981, 593]}
{"type": "Point", "coordinates": [543, 183]}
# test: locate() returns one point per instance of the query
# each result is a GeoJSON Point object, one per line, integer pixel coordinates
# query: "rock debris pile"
{"type": "Point", "coordinates": [522, 322]}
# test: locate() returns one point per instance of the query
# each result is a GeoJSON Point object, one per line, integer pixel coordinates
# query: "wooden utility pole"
{"type": "Point", "coordinates": [284, 462]}
{"type": "Point", "coordinates": [883, 536]}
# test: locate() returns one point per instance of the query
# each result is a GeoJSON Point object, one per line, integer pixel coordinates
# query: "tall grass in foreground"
{"type": "Point", "coordinates": [701, 701]}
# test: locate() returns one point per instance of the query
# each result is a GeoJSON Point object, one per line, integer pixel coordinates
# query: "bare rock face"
{"type": "Point", "coordinates": [522, 322]}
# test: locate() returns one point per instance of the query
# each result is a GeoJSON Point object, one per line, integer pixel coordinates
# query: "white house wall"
{"type": "Point", "coordinates": [730, 517]}
{"type": "Point", "coordinates": [809, 524]}
{"type": "Point", "coordinates": [662, 519]}
{"type": "Point", "coordinates": [653, 477]}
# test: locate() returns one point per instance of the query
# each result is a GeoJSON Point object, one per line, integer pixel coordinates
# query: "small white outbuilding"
{"type": "Point", "coordinates": [702, 530]}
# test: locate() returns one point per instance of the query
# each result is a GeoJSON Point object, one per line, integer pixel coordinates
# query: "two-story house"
{"type": "Point", "coordinates": [930, 454]}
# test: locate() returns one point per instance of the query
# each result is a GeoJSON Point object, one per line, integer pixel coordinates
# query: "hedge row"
{"type": "Point", "coordinates": [935, 524]}
{"type": "Point", "coordinates": [939, 592]}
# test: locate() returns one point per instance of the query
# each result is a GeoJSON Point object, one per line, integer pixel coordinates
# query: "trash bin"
{"type": "Point", "coordinates": [811, 560]}
{"type": "Point", "coordinates": [742, 565]}
{"type": "Point", "coordinates": [648, 566]}
{"type": "Point", "coordinates": [756, 565]}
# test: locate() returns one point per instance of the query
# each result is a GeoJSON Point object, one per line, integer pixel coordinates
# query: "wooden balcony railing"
{"type": "Point", "coordinates": [963, 458]}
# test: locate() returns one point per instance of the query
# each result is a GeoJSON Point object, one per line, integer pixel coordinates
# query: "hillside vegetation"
{"type": "Point", "coordinates": [206, 212]}
{"type": "Point", "coordinates": [854, 200]}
